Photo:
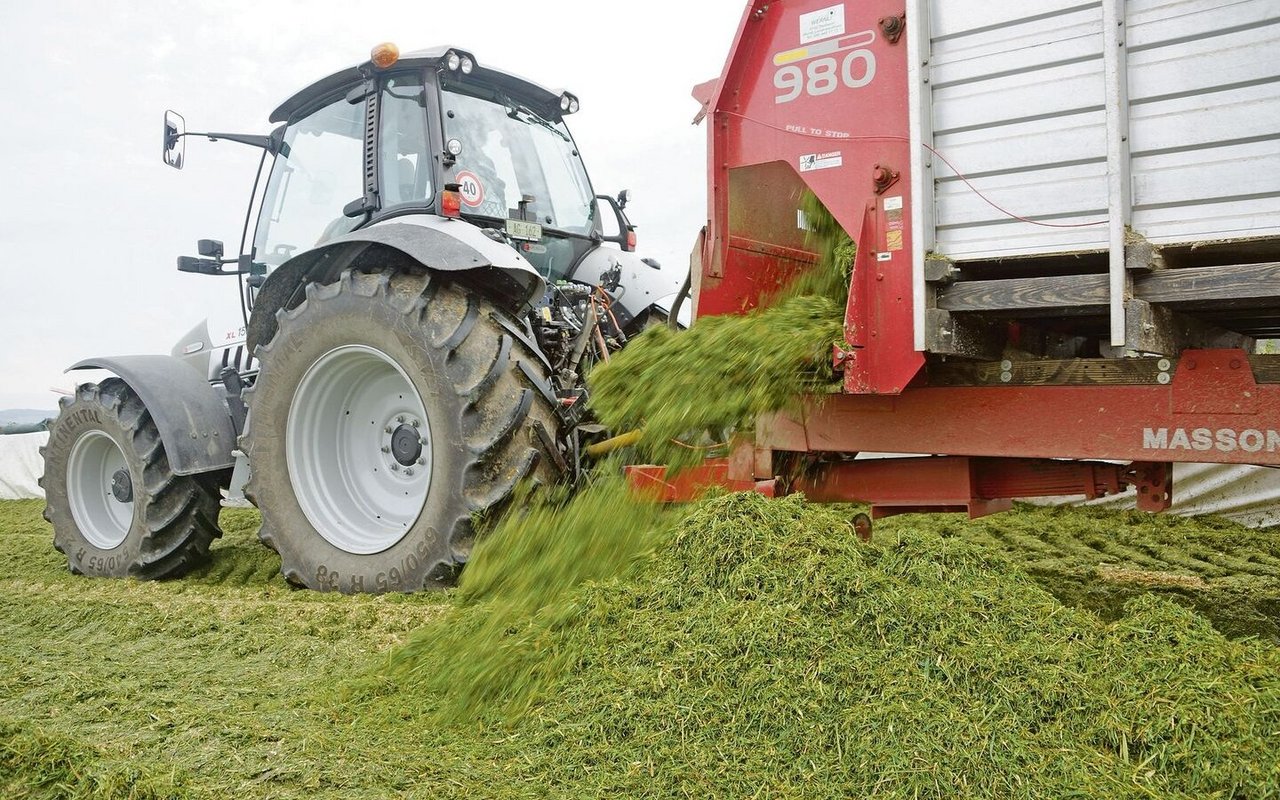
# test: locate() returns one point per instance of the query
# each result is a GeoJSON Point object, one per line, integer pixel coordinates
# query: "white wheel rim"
{"type": "Point", "coordinates": [102, 519]}
{"type": "Point", "coordinates": [353, 405]}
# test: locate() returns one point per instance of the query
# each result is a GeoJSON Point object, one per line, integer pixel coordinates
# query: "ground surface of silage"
{"type": "Point", "coordinates": [752, 649]}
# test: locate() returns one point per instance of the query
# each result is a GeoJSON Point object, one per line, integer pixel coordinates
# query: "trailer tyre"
{"type": "Point", "coordinates": [116, 507]}
{"type": "Point", "coordinates": [390, 410]}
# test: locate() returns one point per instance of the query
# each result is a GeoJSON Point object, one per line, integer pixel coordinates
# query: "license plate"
{"type": "Point", "coordinates": [527, 231]}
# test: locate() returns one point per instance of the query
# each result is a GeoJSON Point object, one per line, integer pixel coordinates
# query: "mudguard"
{"type": "Point", "coordinates": [191, 415]}
{"type": "Point", "coordinates": [446, 245]}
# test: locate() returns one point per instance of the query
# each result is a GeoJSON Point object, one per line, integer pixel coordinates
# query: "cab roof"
{"type": "Point", "coordinates": [326, 87]}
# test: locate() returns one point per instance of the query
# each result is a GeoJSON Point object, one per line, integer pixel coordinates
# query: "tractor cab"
{"type": "Point", "coordinates": [431, 133]}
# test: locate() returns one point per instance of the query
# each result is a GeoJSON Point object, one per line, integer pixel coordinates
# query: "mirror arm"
{"type": "Point", "coordinates": [214, 266]}
{"type": "Point", "coordinates": [253, 140]}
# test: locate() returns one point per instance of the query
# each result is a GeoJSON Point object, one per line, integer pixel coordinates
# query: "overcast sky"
{"type": "Point", "coordinates": [91, 219]}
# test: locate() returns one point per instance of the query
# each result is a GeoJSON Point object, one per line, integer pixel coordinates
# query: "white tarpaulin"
{"type": "Point", "coordinates": [1248, 495]}
{"type": "Point", "coordinates": [21, 465]}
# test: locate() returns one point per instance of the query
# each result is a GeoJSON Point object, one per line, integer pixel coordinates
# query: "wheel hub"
{"type": "Point", "coordinates": [358, 448]}
{"type": "Point", "coordinates": [406, 445]}
{"type": "Point", "coordinates": [99, 490]}
{"type": "Point", "coordinates": [122, 486]}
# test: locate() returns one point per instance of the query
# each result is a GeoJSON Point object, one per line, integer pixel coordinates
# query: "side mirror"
{"type": "Point", "coordinates": [210, 248]}
{"type": "Point", "coordinates": [175, 142]}
{"type": "Point", "coordinates": [624, 197]}
{"type": "Point", "coordinates": [626, 236]}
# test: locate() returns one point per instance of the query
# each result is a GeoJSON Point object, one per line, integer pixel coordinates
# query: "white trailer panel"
{"type": "Point", "coordinates": [1014, 97]}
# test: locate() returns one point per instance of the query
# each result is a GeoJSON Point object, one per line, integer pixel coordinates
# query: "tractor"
{"type": "Point", "coordinates": [427, 279]}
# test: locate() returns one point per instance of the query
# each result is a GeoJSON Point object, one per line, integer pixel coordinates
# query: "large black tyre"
{"type": "Point", "coordinates": [329, 441]}
{"type": "Point", "coordinates": [116, 507]}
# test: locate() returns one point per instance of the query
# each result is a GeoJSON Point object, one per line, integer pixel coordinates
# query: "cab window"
{"type": "Point", "coordinates": [317, 172]}
{"type": "Point", "coordinates": [405, 169]}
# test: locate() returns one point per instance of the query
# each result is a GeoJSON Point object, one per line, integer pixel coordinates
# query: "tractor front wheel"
{"type": "Point", "coordinates": [390, 410]}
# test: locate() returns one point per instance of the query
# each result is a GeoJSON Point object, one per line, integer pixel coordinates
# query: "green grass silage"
{"type": "Point", "coordinates": [726, 370]}
{"type": "Point", "coordinates": [743, 647]}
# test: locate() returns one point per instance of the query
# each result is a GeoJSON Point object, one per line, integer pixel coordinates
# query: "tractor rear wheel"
{"type": "Point", "coordinates": [389, 411]}
{"type": "Point", "coordinates": [116, 507]}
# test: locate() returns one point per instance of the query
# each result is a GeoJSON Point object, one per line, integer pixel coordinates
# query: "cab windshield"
{"type": "Point", "coordinates": [509, 154]}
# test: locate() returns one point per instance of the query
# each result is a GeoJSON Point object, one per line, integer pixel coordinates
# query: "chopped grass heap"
{"type": "Point", "coordinates": [742, 647]}
{"type": "Point", "coordinates": [764, 651]}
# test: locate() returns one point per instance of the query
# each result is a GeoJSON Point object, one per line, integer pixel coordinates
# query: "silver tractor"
{"type": "Point", "coordinates": [425, 282]}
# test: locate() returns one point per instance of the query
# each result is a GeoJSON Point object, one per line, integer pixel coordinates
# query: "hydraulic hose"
{"type": "Point", "coordinates": [609, 445]}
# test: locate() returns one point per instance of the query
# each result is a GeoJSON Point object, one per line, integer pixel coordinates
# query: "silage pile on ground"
{"type": "Point", "coordinates": [751, 648]}
{"type": "Point", "coordinates": [762, 649]}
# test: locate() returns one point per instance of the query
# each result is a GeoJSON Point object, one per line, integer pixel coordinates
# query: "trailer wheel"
{"type": "Point", "coordinates": [116, 508]}
{"type": "Point", "coordinates": [389, 411]}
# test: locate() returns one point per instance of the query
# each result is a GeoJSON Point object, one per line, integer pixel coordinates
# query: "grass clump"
{"type": "Point", "coordinates": [519, 589]}
{"type": "Point", "coordinates": [39, 766]}
{"type": "Point", "coordinates": [726, 370]}
{"type": "Point", "coordinates": [718, 375]}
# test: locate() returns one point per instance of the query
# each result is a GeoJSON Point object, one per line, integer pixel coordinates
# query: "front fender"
{"type": "Point", "coordinates": [191, 415]}
{"type": "Point", "coordinates": [445, 245]}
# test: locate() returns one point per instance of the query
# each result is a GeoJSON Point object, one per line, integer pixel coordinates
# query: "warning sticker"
{"type": "Point", "coordinates": [893, 222]}
{"type": "Point", "coordinates": [821, 24]}
{"type": "Point", "coordinates": [470, 188]}
{"type": "Point", "coordinates": [812, 161]}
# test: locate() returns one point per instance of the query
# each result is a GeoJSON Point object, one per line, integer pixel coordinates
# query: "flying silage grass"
{"type": "Point", "coordinates": [726, 370]}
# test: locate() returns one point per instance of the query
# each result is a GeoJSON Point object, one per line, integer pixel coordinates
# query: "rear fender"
{"type": "Point", "coordinates": [436, 243]}
{"type": "Point", "coordinates": [191, 415]}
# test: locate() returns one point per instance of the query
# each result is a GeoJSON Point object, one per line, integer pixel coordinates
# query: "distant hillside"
{"type": "Point", "coordinates": [24, 416]}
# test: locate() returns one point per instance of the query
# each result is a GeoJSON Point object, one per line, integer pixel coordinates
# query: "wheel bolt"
{"type": "Point", "coordinates": [408, 470]}
{"type": "Point", "coordinates": [422, 462]}
{"type": "Point", "coordinates": [387, 429]}
{"type": "Point", "coordinates": [386, 449]}
{"type": "Point", "coordinates": [414, 423]}
{"type": "Point", "coordinates": [400, 419]}
{"type": "Point", "coordinates": [395, 467]}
